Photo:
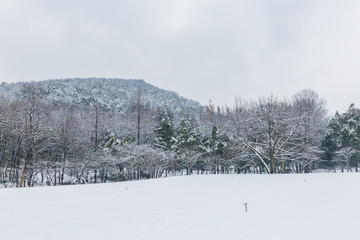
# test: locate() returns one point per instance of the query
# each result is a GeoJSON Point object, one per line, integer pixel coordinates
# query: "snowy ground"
{"type": "Point", "coordinates": [316, 206]}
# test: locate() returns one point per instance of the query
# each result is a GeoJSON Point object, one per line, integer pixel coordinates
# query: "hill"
{"type": "Point", "coordinates": [112, 94]}
{"type": "Point", "coordinates": [280, 207]}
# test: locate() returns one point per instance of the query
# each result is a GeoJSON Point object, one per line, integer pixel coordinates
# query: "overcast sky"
{"type": "Point", "coordinates": [202, 49]}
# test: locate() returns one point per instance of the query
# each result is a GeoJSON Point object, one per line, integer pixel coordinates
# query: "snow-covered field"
{"type": "Point", "coordinates": [316, 206]}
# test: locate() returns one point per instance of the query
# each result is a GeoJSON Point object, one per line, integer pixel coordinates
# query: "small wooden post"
{"type": "Point", "coordinates": [245, 206]}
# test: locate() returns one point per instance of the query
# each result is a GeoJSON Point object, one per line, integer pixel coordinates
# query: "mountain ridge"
{"type": "Point", "coordinates": [114, 94]}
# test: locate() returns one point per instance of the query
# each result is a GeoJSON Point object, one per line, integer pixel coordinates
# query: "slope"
{"type": "Point", "coordinates": [316, 206]}
{"type": "Point", "coordinates": [110, 93]}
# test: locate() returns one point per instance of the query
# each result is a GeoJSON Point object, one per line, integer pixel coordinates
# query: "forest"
{"type": "Point", "coordinates": [45, 142]}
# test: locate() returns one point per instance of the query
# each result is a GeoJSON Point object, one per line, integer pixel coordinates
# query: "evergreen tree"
{"type": "Point", "coordinates": [187, 142]}
{"type": "Point", "coordinates": [187, 135]}
{"type": "Point", "coordinates": [164, 130]}
{"type": "Point", "coordinates": [215, 148]}
{"type": "Point", "coordinates": [342, 141]}
{"type": "Point", "coordinates": [215, 145]}
{"type": "Point", "coordinates": [350, 131]}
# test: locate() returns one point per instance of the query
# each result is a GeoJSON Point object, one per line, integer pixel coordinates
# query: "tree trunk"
{"type": "Point", "coordinates": [23, 174]}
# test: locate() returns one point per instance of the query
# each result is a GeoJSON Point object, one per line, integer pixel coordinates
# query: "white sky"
{"type": "Point", "coordinates": [202, 49]}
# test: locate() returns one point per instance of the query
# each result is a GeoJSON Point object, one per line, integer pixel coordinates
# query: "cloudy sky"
{"type": "Point", "coordinates": [202, 49]}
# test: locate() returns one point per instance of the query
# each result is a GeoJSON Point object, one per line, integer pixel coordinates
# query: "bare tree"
{"type": "Point", "coordinates": [264, 128]}
{"type": "Point", "coordinates": [344, 156]}
{"type": "Point", "coordinates": [313, 113]}
{"type": "Point", "coordinates": [143, 115]}
{"type": "Point", "coordinates": [32, 125]}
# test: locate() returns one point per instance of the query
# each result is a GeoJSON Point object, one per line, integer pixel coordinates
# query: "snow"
{"type": "Point", "coordinates": [315, 206]}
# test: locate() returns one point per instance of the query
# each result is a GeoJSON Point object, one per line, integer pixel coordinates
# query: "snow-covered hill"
{"type": "Point", "coordinates": [281, 207]}
{"type": "Point", "coordinates": [112, 94]}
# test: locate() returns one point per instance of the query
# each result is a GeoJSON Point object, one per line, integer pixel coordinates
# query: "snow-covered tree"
{"type": "Point", "coordinates": [215, 147]}
{"type": "Point", "coordinates": [343, 136]}
{"type": "Point", "coordinates": [32, 127]}
{"type": "Point", "coordinates": [345, 156]}
{"type": "Point", "coordinates": [265, 129]}
{"type": "Point", "coordinates": [306, 147]}
{"type": "Point", "coordinates": [164, 129]}
{"type": "Point", "coordinates": [187, 141]}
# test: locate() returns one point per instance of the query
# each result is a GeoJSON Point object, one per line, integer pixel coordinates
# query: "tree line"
{"type": "Point", "coordinates": [46, 142]}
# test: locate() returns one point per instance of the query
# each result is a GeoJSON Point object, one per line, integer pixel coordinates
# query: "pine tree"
{"type": "Point", "coordinates": [187, 142]}
{"type": "Point", "coordinates": [187, 135]}
{"type": "Point", "coordinates": [343, 139]}
{"type": "Point", "coordinates": [164, 130]}
{"type": "Point", "coordinates": [215, 148]}
{"type": "Point", "coordinates": [215, 145]}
